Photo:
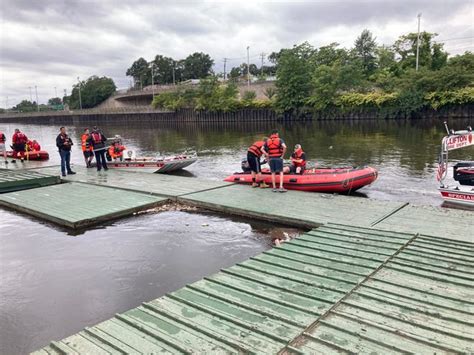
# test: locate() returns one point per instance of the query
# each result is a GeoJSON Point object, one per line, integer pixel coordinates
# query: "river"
{"type": "Point", "coordinates": [54, 283]}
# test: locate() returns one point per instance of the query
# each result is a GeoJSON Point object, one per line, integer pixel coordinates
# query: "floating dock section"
{"type": "Point", "coordinates": [78, 205]}
{"type": "Point", "coordinates": [23, 179]}
{"type": "Point", "coordinates": [336, 289]}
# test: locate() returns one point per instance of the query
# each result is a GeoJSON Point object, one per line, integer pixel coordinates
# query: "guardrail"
{"type": "Point", "coordinates": [91, 111]}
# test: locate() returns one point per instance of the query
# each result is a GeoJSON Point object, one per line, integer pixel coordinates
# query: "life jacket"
{"type": "Point", "coordinates": [274, 147]}
{"type": "Point", "coordinates": [85, 145]}
{"type": "Point", "coordinates": [298, 155]}
{"type": "Point", "coordinates": [116, 151]}
{"type": "Point", "coordinates": [20, 138]}
{"type": "Point", "coordinates": [256, 148]}
{"type": "Point", "coordinates": [96, 137]}
{"type": "Point", "coordinates": [3, 139]}
{"type": "Point", "coordinates": [35, 146]}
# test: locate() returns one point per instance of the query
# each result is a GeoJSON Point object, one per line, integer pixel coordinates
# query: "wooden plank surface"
{"type": "Point", "coordinates": [157, 184]}
{"type": "Point", "coordinates": [436, 221]}
{"type": "Point", "coordinates": [294, 207]}
{"type": "Point", "coordinates": [21, 180]}
{"type": "Point", "coordinates": [78, 205]}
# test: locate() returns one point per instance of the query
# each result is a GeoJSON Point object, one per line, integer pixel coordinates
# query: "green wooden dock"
{"type": "Point", "coordinates": [335, 289]}
{"type": "Point", "coordinates": [22, 180]}
{"type": "Point", "coordinates": [369, 277]}
{"type": "Point", "coordinates": [78, 205]}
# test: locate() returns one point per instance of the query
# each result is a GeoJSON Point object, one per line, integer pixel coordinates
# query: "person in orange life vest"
{"type": "Point", "coordinates": [253, 159]}
{"type": "Point", "coordinates": [86, 147]}
{"type": "Point", "coordinates": [275, 149]}
{"type": "Point", "coordinates": [3, 149]}
{"type": "Point", "coordinates": [116, 150]}
{"type": "Point", "coordinates": [19, 140]}
{"type": "Point", "coordinates": [97, 140]}
{"type": "Point", "coordinates": [298, 161]}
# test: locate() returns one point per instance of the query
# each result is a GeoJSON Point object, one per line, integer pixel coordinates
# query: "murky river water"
{"type": "Point", "coordinates": [53, 284]}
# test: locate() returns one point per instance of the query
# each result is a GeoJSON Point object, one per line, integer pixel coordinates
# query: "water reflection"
{"type": "Point", "coordinates": [404, 152]}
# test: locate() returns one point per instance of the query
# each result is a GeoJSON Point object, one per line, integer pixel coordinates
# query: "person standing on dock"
{"type": "Point", "coordinates": [3, 149]}
{"type": "Point", "coordinates": [97, 140]}
{"type": "Point", "coordinates": [253, 158]}
{"type": "Point", "coordinates": [19, 140]}
{"type": "Point", "coordinates": [64, 144]}
{"type": "Point", "coordinates": [86, 147]}
{"type": "Point", "coordinates": [275, 149]}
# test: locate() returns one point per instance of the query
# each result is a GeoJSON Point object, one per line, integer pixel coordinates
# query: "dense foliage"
{"type": "Point", "coordinates": [93, 91]}
{"type": "Point", "coordinates": [368, 76]}
{"type": "Point", "coordinates": [209, 95]}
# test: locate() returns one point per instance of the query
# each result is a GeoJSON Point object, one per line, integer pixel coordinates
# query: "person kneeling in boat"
{"type": "Point", "coordinates": [33, 146]}
{"type": "Point", "coordinates": [254, 154]}
{"type": "Point", "coordinates": [116, 150]}
{"type": "Point", "coordinates": [298, 161]}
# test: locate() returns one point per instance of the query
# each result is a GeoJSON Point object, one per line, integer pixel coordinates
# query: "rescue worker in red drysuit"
{"type": "Point", "coordinates": [19, 140]}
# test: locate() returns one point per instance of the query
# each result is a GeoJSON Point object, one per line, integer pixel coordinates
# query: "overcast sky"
{"type": "Point", "coordinates": [49, 43]}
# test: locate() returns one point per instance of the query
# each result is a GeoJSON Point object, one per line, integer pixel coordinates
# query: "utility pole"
{"type": "Point", "coordinates": [418, 42]}
{"type": "Point", "coordinates": [31, 96]}
{"type": "Point", "coordinates": [152, 80]}
{"type": "Point", "coordinates": [37, 102]}
{"type": "Point", "coordinates": [80, 99]}
{"type": "Point", "coordinates": [174, 78]}
{"type": "Point", "coordinates": [262, 57]}
{"type": "Point", "coordinates": [225, 63]}
{"type": "Point", "coordinates": [248, 67]}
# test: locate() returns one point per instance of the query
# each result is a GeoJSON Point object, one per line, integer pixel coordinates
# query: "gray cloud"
{"type": "Point", "coordinates": [49, 43]}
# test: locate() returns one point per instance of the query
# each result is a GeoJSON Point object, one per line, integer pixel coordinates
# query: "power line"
{"type": "Point", "coordinates": [453, 39]}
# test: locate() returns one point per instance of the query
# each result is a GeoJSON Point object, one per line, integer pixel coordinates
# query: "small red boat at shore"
{"type": "Point", "coordinates": [31, 155]}
{"type": "Point", "coordinates": [330, 180]}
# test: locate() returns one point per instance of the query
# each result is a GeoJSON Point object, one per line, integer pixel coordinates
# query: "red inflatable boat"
{"type": "Point", "coordinates": [31, 155]}
{"type": "Point", "coordinates": [340, 180]}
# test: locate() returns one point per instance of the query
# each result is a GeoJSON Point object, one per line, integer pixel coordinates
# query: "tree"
{"type": "Point", "coordinates": [364, 49]}
{"type": "Point", "coordinates": [197, 66]}
{"type": "Point", "coordinates": [93, 91]}
{"type": "Point", "coordinates": [25, 106]}
{"type": "Point", "coordinates": [294, 78]}
{"type": "Point", "coordinates": [140, 72]}
{"type": "Point", "coordinates": [54, 101]}
{"type": "Point", "coordinates": [327, 55]}
{"type": "Point", "coordinates": [163, 70]}
{"type": "Point", "coordinates": [406, 45]}
{"type": "Point", "coordinates": [235, 72]}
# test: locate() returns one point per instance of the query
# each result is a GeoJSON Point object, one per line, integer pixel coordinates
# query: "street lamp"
{"type": "Point", "coordinates": [37, 102]}
{"type": "Point", "coordinates": [80, 99]}
{"type": "Point", "coordinates": [248, 67]}
{"type": "Point", "coordinates": [418, 42]}
{"type": "Point", "coordinates": [152, 66]}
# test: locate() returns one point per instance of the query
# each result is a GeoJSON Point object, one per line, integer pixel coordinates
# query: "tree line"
{"type": "Point", "coordinates": [330, 80]}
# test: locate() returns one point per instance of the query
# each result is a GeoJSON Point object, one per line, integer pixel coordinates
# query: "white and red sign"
{"type": "Point", "coordinates": [458, 141]}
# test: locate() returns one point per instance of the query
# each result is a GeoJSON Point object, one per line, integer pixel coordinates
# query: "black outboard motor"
{"type": "Point", "coordinates": [463, 172]}
{"type": "Point", "coordinates": [245, 166]}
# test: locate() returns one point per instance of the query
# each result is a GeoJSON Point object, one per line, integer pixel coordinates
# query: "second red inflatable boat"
{"type": "Point", "coordinates": [332, 180]}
